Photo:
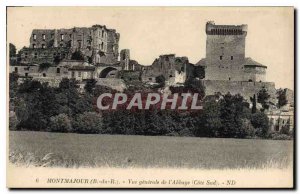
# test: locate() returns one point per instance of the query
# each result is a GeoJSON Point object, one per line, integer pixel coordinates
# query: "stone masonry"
{"type": "Point", "coordinates": [97, 42]}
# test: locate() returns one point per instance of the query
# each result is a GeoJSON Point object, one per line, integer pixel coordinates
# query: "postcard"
{"type": "Point", "coordinates": [150, 97]}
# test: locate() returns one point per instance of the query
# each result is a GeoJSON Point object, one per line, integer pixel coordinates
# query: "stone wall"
{"type": "Point", "coordinates": [246, 89]}
{"type": "Point", "coordinates": [255, 74]}
{"type": "Point", "coordinates": [40, 55]}
{"type": "Point", "coordinates": [35, 71]}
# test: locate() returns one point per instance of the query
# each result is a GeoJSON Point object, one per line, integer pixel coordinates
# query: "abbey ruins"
{"type": "Point", "coordinates": [224, 69]}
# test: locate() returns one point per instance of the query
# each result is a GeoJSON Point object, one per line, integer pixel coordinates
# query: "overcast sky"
{"type": "Point", "coordinates": [150, 32]}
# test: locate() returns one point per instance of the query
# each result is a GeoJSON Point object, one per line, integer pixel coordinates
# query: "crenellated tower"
{"type": "Point", "coordinates": [225, 51]}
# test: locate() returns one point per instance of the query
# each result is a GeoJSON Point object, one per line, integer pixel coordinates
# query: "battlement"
{"type": "Point", "coordinates": [212, 29]}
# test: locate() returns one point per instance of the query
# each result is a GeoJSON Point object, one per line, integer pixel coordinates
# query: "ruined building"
{"type": "Point", "coordinates": [175, 70]}
{"type": "Point", "coordinates": [127, 63]}
{"type": "Point", "coordinates": [97, 43]}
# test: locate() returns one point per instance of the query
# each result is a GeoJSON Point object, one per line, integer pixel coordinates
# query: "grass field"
{"type": "Point", "coordinates": [78, 150]}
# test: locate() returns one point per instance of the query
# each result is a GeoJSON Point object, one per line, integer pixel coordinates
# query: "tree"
{"type": "Point", "coordinates": [12, 50]}
{"type": "Point", "coordinates": [13, 86]}
{"type": "Point", "coordinates": [71, 99]}
{"type": "Point", "coordinates": [195, 86]}
{"type": "Point", "coordinates": [281, 96]}
{"type": "Point", "coordinates": [77, 55]}
{"type": "Point", "coordinates": [263, 98]}
{"type": "Point", "coordinates": [233, 109]}
{"type": "Point", "coordinates": [12, 54]}
{"type": "Point", "coordinates": [209, 123]}
{"type": "Point", "coordinates": [253, 100]}
{"type": "Point", "coordinates": [13, 122]}
{"type": "Point", "coordinates": [90, 85]}
{"type": "Point", "coordinates": [35, 105]}
{"type": "Point", "coordinates": [89, 122]}
{"type": "Point", "coordinates": [260, 122]}
{"type": "Point", "coordinates": [60, 123]}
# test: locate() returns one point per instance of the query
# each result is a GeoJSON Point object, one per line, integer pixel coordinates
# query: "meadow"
{"type": "Point", "coordinates": [91, 150]}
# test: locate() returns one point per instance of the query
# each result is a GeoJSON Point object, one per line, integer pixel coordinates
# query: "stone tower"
{"type": "Point", "coordinates": [125, 59]}
{"type": "Point", "coordinates": [225, 51]}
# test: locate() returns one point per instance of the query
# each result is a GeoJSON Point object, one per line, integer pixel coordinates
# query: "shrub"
{"type": "Point", "coordinates": [89, 122]}
{"type": "Point", "coordinates": [279, 136]}
{"type": "Point", "coordinates": [186, 133]}
{"type": "Point", "coordinates": [60, 123]}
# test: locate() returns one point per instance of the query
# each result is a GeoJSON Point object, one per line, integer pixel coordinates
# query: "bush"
{"type": "Point", "coordinates": [60, 123]}
{"type": "Point", "coordinates": [279, 136]}
{"type": "Point", "coordinates": [89, 122]}
{"type": "Point", "coordinates": [186, 133]}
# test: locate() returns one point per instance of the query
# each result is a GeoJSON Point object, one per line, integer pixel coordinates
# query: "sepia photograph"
{"type": "Point", "coordinates": [150, 97]}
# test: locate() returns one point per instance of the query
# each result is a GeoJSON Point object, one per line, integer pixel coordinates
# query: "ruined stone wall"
{"type": "Point", "coordinates": [42, 38]}
{"type": "Point", "coordinates": [129, 76]}
{"type": "Point", "coordinates": [106, 44]}
{"type": "Point", "coordinates": [167, 65]}
{"type": "Point", "coordinates": [246, 89]}
{"type": "Point", "coordinates": [103, 41]}
{"type": "Point", "coordinates": [80, 75]}
{"type": "Point", "coordinates": [40, 55]}
{"type": "Point", "coordinates": [125, 59]}
{"type": "Point", "coordinates": [35, 71]}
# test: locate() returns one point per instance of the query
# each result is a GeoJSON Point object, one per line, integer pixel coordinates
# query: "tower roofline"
{"type": "Point", "coordinates": [213, 29]}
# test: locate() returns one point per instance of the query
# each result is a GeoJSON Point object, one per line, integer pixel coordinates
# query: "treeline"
{"type": "Point", "coordinates": [38, 107]}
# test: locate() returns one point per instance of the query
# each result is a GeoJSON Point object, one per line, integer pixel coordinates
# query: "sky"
{"type": "Point", "coordinates": [152, 31]}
